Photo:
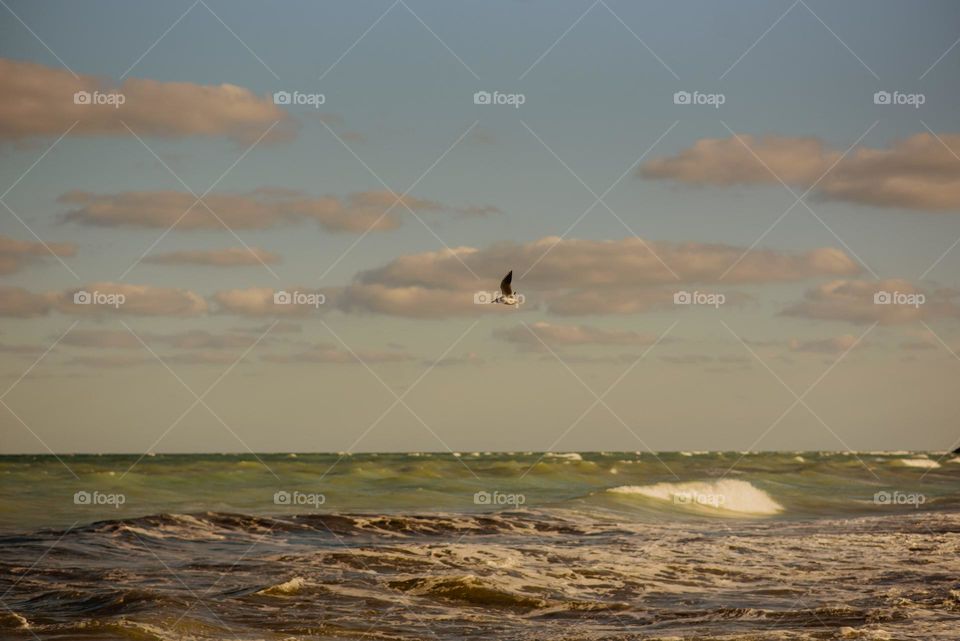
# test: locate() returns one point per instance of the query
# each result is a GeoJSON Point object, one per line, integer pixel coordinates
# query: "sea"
{"type": "Point", "coordinates": [474, 545]}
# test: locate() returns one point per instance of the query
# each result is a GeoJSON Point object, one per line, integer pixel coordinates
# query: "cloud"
{"type": "Point", "coordinates": [326, 353]}
{"type": "Point", "coordinates": [103, 339]}
{"type": "Point", "coordinates": [413, 301]}
{"type": "Point", "coordinates": [728, 161]}
{"type": "Point", "coordinates": [262, 208]}
{"type": "Point", "coordinates": [916, 346]}
{"type": "Point", "coordinates": [16, 254]}
{"type": "Point", "coordinates": [194, 340]}
{"type": "Point", "coordinates": [21, 303]}
{"type": "Point", "coordinates": [283, 327]}
{"type": "Point", "coordinates": [593, 359]}
{"type": "Point", "coordinates": [566, 335]}
{"type": "Point", "coordinates": [23, 350]}
{"type": "Point", "coordinates": [573, 276]}
{"type": "Point", "coordinates": [833, 345]}
{"type": "Point", "coordinates": [687, 359]}
{"type": "Point", "coordinates": [918, 172]}
{"type": "Point", "coordinates": [724, 362]}
{"type": "Point", "coordinates": [123, 298]}
{"type": "Point", "coordinates": [608, 300]}
{"type": "Point", "coordinates": [202, 358]}
{"type": "Point", "coordinates": [200, 339]}
{"type": "Point", "coordinates": [109, 360]}
{"type": "Point", "coordinates": [231, 257]}
{"type": "Point", "coordinates": [467, 358]}
{"type": "Point", "coordinates": [852, 301]}
{"type": "Point", "coordinates": [40, 102]}
{"type": "Point", "coordinates": [259, 301]}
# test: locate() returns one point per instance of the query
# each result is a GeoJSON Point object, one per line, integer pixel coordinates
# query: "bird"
{"type": "Point", "coordinates": [507, 296]}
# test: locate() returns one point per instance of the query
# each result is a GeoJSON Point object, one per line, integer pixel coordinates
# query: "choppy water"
{"type": "Point", "coordinates": [497, 546]}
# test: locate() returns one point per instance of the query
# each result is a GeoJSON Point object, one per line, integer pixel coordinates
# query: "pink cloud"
{"type": "Point", "coordinates": [920, 172]}
{"type": "Point", "coordinates": [40, 102]}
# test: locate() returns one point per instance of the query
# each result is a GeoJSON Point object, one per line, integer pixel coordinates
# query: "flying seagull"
{"type": "Point", "coordinates": [507, 295]}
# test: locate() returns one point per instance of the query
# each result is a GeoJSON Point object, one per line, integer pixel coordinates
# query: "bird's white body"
{"type": "Point", "coordinates": [507, 300]}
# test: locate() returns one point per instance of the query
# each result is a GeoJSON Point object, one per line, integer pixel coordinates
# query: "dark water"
{"type": "Point", "coordinates": [504, 546]}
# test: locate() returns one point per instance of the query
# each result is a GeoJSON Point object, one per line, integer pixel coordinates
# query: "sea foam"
{"type": "Point", "coordinates": [730, 495]}
{"type": "Point", "coordinates": [290, 587]}
{"type": "Point", "coordinates": [568, 456]}
{"type": "Point", "coordinates": [918, 462]}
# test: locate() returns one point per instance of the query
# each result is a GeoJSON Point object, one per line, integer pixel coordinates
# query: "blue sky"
{"type": "Point", "coordinates": [399, 99]}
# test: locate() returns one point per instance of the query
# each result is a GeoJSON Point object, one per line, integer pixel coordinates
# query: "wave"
{"type": "Point", "coordinates": [918, 462]}
{"type": "Point", "coordinates": [13, 621]}
{"type": "Point", "coordinates": [730, 495]}
{"type": "Point", "coordinates": [468, 590]}
{"type": "Point", "coordinates": [567, 456]}
{"type": "Point", "coordinates": [287, 588]}
{"type": "Point", "coordinates": [180, 628]}
{"type": "Point", "coordinates": [103, 602]}
{"type": "Point", "coordinates": [224, 526]}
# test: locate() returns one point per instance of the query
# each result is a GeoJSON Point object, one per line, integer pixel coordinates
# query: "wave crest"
{"type": "Point", "coordinates": [731, 495]}
{"type": "Point", "coordinates": [287, 588]}
{"type": "Point", "coordinates": [918, 462]}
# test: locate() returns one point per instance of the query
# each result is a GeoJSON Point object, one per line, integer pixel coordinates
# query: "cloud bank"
{"type": "Point", "coordinates": [39, 101]}
{"type": "Point", "coordinates": [16, 254]}
{"type": "Point", "coordinates": [262, 208]}
{"type": "Point", "coordinates": [919, 172]}
{"type": "Point", "coordinates": [854, 301]}
{"type": "Point", "coordinates": [576, 277]}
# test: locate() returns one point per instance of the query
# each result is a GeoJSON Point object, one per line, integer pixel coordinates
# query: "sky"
{"type": "Point", "coordinates": [735, 226]}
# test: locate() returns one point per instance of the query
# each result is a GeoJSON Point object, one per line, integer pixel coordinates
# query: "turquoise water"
{"type": "Point", "coordinates": [798, 545]}
{"type": "Point", "coordinates": [38, 491]}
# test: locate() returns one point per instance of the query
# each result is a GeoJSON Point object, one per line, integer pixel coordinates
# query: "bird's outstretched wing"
{"type": "Point", "coordinates": [505, 288]}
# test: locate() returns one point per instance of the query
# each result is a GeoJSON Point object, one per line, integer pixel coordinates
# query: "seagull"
{"type": "Point", "coordinates": [507, 296]}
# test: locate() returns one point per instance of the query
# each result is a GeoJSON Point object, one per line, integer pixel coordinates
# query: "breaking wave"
{"type": "Point", "coordinates": [918, 462]}
{"type": "Point", "coordinates": [730, 495]}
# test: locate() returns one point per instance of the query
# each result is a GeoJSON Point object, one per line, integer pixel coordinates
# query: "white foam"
{"type": "Point", "coordinates": [292, 586]}
{"type": "Point", "coordinates": [569, 456]}
{"type": "Point", "coordinates": [799, 459]}
{"type": "Point", "coordinates": [728, 495]}
{"type": "Point", "coordinates": [918, 462]}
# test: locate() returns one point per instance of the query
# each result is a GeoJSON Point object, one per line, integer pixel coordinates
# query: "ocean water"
{"type": "Point", "coordinates": [799, 545]}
